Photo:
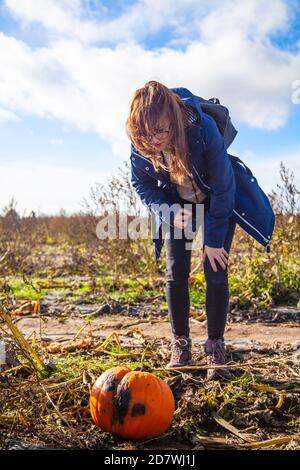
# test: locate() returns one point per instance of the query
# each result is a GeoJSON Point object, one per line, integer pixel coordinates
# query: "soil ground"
{"type": "Point", "coordinates": [264, 333]}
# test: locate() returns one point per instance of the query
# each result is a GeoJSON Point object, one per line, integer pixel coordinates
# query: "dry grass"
{"type": "Point", "coordinates": [45, 401]}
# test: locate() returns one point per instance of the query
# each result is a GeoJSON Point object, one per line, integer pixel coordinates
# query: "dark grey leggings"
{"type": "Point", "coordinates": [178, 260]}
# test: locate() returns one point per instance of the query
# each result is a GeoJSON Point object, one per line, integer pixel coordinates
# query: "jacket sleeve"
{"type": "Point", "coordinates": [221, 180]}
{"type": "Point", "coordinates": [147, 188]}
{"type": "Point", "coordinates": [152, 195]}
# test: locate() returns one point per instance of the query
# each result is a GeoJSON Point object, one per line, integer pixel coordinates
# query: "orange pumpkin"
{"type": "Point", "coordinates": [131, 404]}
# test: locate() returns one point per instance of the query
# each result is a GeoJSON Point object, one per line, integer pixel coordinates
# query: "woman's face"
{"type": "Point", "coordinates": [161, 139]}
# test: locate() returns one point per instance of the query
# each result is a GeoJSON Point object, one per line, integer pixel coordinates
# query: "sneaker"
{"type": "Point", "coordinates": [181, 354]}
{"type": "Point", "coordinates": [216, 356]}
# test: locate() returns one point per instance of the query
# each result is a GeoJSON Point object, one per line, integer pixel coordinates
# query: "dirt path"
{"type": "Point", "coordinates": [285, 333]}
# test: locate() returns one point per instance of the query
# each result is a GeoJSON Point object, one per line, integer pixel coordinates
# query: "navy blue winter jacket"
{"type": "Point", "coordinates": [232, 188]}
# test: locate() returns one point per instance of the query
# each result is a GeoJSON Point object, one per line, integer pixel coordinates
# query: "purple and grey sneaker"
{"type": "Point", "coordinates": [216, 356]}
{"type": "Point", "coordinates": [181, 354]}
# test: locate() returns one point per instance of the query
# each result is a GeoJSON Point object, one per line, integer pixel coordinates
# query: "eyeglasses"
{"type": "Point", "coordinates": [160, 135]}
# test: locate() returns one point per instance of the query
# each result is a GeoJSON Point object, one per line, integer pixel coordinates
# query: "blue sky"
{"type": "Point", "coordinates": [69, 68]}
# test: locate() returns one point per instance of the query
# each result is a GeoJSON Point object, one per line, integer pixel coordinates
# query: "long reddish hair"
{"type": "Point", "coordinates": [147, 105]}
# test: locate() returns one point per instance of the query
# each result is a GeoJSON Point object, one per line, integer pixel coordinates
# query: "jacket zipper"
{"type": "Point", "coordinates": [248, 223]}
{"type": "Point", "coordinates": [141, 156]}
{"type": "Point", "coordinates": [266, 239]}
{"type": "Point", "coordinates": [201, 178]}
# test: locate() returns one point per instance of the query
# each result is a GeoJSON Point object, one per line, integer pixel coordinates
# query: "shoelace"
{"type": "Point", "coordinates": [218, 354]}
{"type": "Point", "coordinates": [178, 341]}
{"type": "Point", "coordinates": [178, 346]}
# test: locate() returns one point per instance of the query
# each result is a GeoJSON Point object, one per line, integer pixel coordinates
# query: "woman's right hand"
{"type": "Point", "coordinates": [181, 218]}
{"type": "Point", "coordinates": [216, 254]}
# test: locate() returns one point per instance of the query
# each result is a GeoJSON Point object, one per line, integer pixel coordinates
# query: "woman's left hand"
{"type": "Point", "coordinates": [219, 254]}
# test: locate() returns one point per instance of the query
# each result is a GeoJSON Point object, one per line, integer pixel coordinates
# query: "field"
{"type": "Point", "coordinates": [59, 283]}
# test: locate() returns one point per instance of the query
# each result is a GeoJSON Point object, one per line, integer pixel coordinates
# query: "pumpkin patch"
{"type": "Point", "coordinates": [131, 404]}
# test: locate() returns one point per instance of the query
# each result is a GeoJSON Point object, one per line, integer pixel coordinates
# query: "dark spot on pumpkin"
{"type": "Point", "coordinates": [138, 409]}
{"type": "Point", "coordinates": [110, 384]}
{"type": "Point", "coordinates": [123, 401]}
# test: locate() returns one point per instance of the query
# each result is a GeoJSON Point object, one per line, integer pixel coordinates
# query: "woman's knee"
{"type": "Point", "coordinates": [177, 271]}
{"type": "Point", "coordinates": [217, 277]}
{"type": "Point", "coordinates": [178, 260]}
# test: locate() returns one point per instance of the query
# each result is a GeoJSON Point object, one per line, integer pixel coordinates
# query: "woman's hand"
{"type": "Point", "coordinates": [219, 254]}
{"type": "Point", "coordinates": [181, 217]}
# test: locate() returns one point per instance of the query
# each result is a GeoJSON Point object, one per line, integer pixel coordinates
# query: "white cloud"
{"type": "Point", "coordinates": [251, 18]}
{"type": "Point", "coordinates": [229, 56]}
{"type": "Point", "coordinates": [88, 21]}
{"type": "Point", "coordinates": [61, 16]}
{"type": "Point", "coordinates": [6, 116]}
{"type": "Point", "coordinates": [46, 188]}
